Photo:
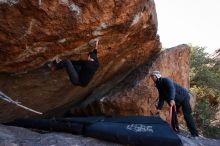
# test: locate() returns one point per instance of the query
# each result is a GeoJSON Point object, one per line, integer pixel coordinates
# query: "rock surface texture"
{"type": "Point", "coordinates": [137, 94]}
{"type": "Point", "coordinates": [13, 136]}
{"type": "Point", "coordinates": [34, 32]}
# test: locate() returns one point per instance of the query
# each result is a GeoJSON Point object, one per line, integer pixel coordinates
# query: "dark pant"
{"type": "Point", "coordinates": [71, 71]}
{"type": "Point", "coordinates": [187, 112]}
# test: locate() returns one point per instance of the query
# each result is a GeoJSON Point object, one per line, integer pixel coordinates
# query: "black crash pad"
{"type": "Point", "coordinates": [131, 130]}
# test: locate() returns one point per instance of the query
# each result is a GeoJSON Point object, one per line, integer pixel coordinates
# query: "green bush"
{"type": "Point", "coordinates": [205, 83]}
{"type": "Point", "coordinates": [205, 110]}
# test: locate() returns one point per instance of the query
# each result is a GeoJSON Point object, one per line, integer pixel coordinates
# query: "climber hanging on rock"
{"type": "Point", "coordinates": [80, 72]}
{"type": "Point", "coordinates": [174, 95]}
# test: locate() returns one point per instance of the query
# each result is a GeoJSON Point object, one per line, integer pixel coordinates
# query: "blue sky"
{"type": "Point", "coordinates": [195, 22]}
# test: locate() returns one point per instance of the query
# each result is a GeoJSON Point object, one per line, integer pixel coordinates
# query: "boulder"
{"type": "Point", "coordinates": [34, 32]}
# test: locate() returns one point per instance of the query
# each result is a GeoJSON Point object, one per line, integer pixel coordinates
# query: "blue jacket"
{"type": "Point", "coordinates": [170, 90]}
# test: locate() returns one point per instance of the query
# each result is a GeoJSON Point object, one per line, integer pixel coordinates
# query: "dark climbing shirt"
{"type": "Point", "coordinates": [86, 69]}
{"type": "Point", "coordinates": [170, 90]}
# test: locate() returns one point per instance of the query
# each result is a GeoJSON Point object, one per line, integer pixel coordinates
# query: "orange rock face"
{"type": "Point", "coordinates": [33, 32]}
{"type": "Point", "coordinates": [137, 94]}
